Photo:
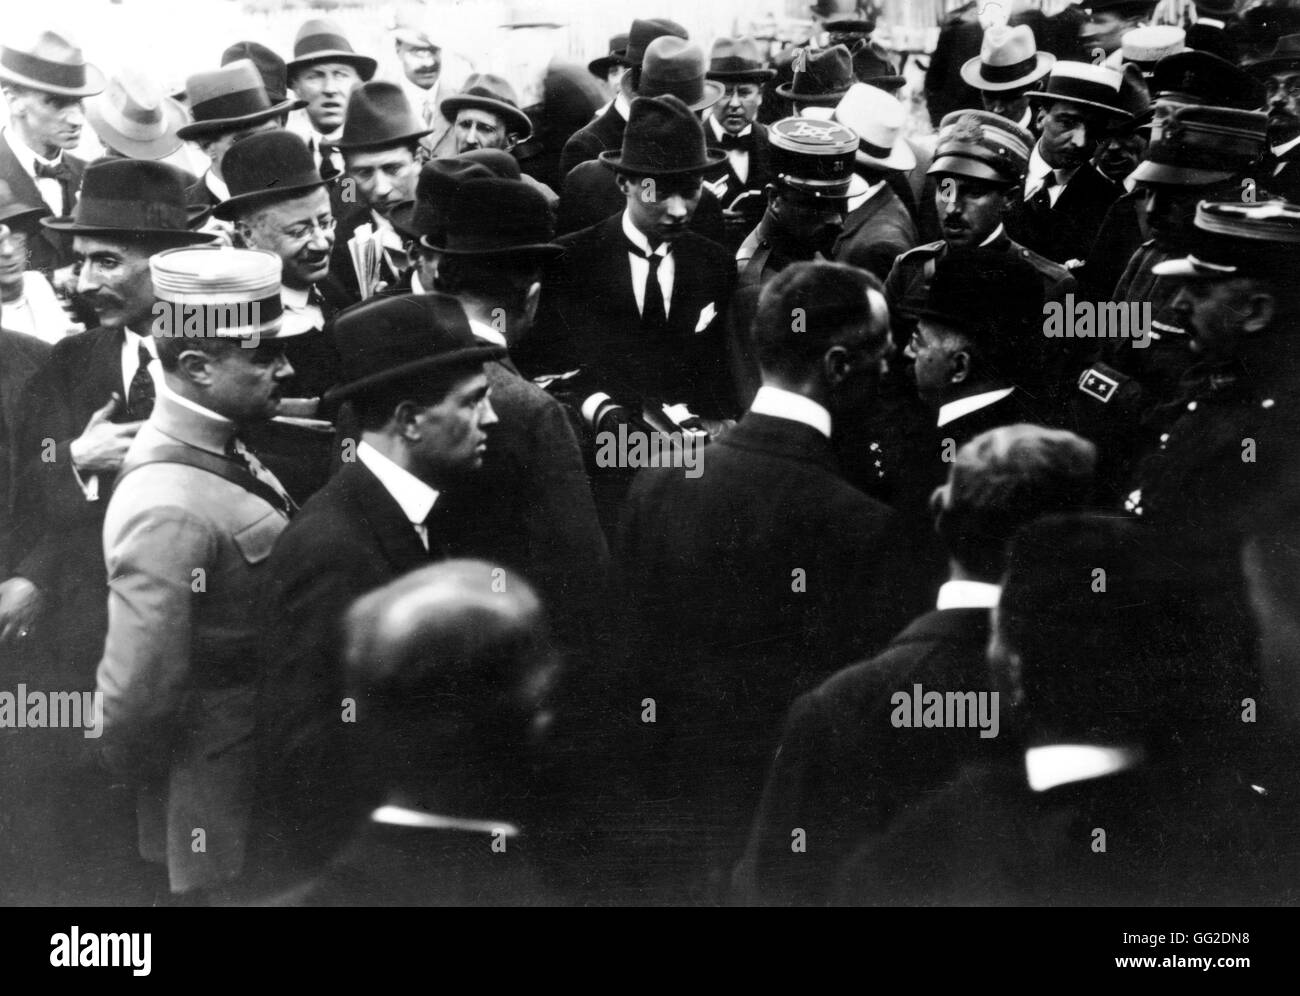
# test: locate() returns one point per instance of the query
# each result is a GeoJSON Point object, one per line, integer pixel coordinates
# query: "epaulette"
{"type": "Point", "coordinates": [929, 249]}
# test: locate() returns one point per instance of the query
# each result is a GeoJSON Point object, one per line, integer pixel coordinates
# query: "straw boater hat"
{"type": "Point", "coordinates": [1009, 59]}
{"type": "Point", "coordinates": [1084, 85]}
{"type": "Point", "coordinates": [51, 63]}
{"type": "Point", "coordinates": [136, 118]}
{"type": "Point", "coordinates": [210, 279]}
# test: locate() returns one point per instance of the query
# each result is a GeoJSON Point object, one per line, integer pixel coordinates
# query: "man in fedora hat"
{"type": "Point", "coordinates": [323, 73]}
{"type": "Point", "coordinates": [381, 158]}
{"type": "Point", "coordinates": [29, 303]}
{"type": "Point", "coordinates": [1066, 196]}
{"type": "Point", "coordinates": [429, 73]}
{"type": "Point", "coordinates": [134, 118]}
{"type": "Point", "coordinates": [639, 300]}
{"type": "Point", "coordinates": [227, 105]}
{"type": "Point", "coordinates": [486, 115]}
{"type": "Point", "coordinates": [531, 506]}
{"type": "Point", "coordinates": [278, 202]}
{"type": "Point", "coordinates": [272, 69]}
{"type": "Point", "coordinates": [1279, 72]}
{"type": "Point", "coordinates": [732, 126]}
{"type": "Point", "coordinates": [606, 132]}
{"type": "Point", "coordinates": [179, 670]}
{"type": "Point", "coordinates": [419, 393]}
{"type": "Point", "coordinates": [671, 66]}
{"type": "Point", "coordinates": [821, 77]}
{"type": "Point", "coordinates": [44, 81]}
{"type": "Point", "coordinates": [1008, 67]}
{"type": "Point", "coordinates": [877, 226]}
{"type": "Point", "coordinates": [611, 67]}
{"type": "Point", "coordinates": [79, 416]}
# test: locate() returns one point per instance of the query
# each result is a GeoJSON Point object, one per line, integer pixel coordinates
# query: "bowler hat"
{"type": "Point", "coordinates": [136, 118]}
{"type": "Point", "coordinates": [274, 73]}
{"type": "Point", "coordinates": [438, 183]}
{"type": "Point", "coordinates": [235, 291]}
{"type": "Point", "coordinates": [644, 32]}
{"type": "Point", "coordinates": [821, 76]}
{"type": "Point", "coordinates": [992, 298]}
{"type": "Point", "coordinates": [1285, 56]}
{"type": "Point", "coordinates": [269, 166]}
{"type": "Point", "coordinates": [1194, 144]}
{"type": "Point", "coordinates": [1145, 46]}
{"type": "Point", "coordinates": [738, 60]}
{"type": "Point", "coordinates": [493, 217]}
{"type": "Point", "coordinates": [321, 40]}
{"type": "Point", "coordinates": [228, 99]}
{"type": "Point", "coordinates": [677, 67]}
{"type": "Point", "coordinates": [18, 215]}
{"type": "Point", "coordinates": [131, 196]}
{"type": "Point", "coordinates": [493, 94]}
{"type": "Point", "coordinates": [617, 57]}
{"type": "Point", "coordinates": [1083, 85]}
{"type": "Point", "coordinates": [663, 137]}
{"type": "Point", "coordinates": [51, 63]}
{"type": "Point", "coordinates": [982, 145]}
{"type": "Point", "coordinates": [1193, 77]}
{"type": "Point", "coordinates": [1232, 239]}
{"type": "Point", "coordinates": [384, 341]}
{"type": "Point", "coordinates": [1009, 59]}
{"type": "Point", "coordinates": [379, 115]}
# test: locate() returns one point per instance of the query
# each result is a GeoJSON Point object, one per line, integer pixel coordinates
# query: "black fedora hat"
{"type": "Point", "coordinates": [489, 93]}
{"type": "Point", "coordinates": [617, 57]}
{"type": "Point", "coordinates": [269, 166]}
{"type": "Point", "coordinates": [821, 76]}
{"type": "Point", "coordinates": [738, 60]}
{"type": "Point", "coordinates": [131, 196]}
{"type": "Point", "coordinates": [320, 40]}
{"type": "Point", "coordinates": [17, 214]}
{"type": "Point", "coordinates": [379, 115]}
{"type": "Point", "coordinates": [272, 69]}
{"type": "Point", "coordinates": [674, 66]}
{"type": "Point", "coordinates": [1195, 77]}
{"type": "Point", "coordinates": [389, 340]}
{"type": "Point", "coordinates": [663, 137]}
{"type": "Point", "coordinates": [644, 32]}
{"type": "Point", "coordinates": [1285, 56]}
{"type": "Point", "coordinates": [230, 98]}
{"type": "Point", "coordinates": [493, 217]}
{"type": "Point", "coordinates": [439, 181]}
{"type": "Point", "coordinates": [871, 64]}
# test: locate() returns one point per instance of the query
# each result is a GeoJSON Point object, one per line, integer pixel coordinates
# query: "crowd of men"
{"type": "Point", "coordinates": [693, 488]}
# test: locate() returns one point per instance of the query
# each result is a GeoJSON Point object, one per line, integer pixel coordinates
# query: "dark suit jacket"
{"type": "Point", "coordinates": [1282, 176]}
{"type": "Point", "coordinates": [747, 585]}
{"type": "Point", "coordinates": [842, 768]}
{"type": "Point", "coordinates": [593, 138]}
{"type": "Point", "coordinates": [20, 357]}
{"type": "Point", "coordinates": [588, 318]}
{"type": "Point", "coordinates": [341, 268]}
{"type": "Point", "coordinates": [50, 250]}
{"type": "Point", "coordinates": [350, 538]}
{"type": "Point", "coordinates": [876, 234]}
{"type": "Point", "coordinates": [590, 195]}
{"type": "Point", "coordinates": [199, 194]}
{"type": "Point", "coordinates": [1068, 229]}
{"type": "Point", "coordinates": [66, 559]}
{"type": "Point", "coordinates": [1015, 407]}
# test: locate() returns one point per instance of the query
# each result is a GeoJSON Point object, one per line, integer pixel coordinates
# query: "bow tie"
{"type": "Point", "coordinates": [60, 171]}
{"type": "Point", "coordinates": [740, 143]}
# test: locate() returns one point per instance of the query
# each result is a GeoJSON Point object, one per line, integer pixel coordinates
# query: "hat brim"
{"type": "Point", "coordinates": [1191, 268]}
{"type": "Point", "coordinates": [1180, 176]}
{"type": "Point", "coordinates": [12, 213]}
{"type": "Point", "coordinates": [901, 157]}
{"type": "Point", "coordinates": [613, 159]}
{"type": "Point", "coordinates": [816, 99]}
{"type": "Point", "coordinates": [1039, 96]}
{"type": "Point", "coordinates": [164, 145]}
{"type": "Point", "coordinates": [231, 208]}
{"type": "Point", "coordinates": [95, 83]}
{"type": "Point", "coordinates": [468, 357]}
{"type": "Point", "coordinates": [402, 139]}
{"type": "Point", "coordinates": [182, 237]}
{"type": "Point", "coordinates": [453, 105]}
{"type": "Point", "coordinates": [363, 64]}
{"type": "Point", "coordinates": [538, 250]}
{"type": "Point", "coordinates": [742, 76]}
{"type": "Point", "coordinates": [1271, 63]}
{"type": "Point", "coordinates": [973, 168]}
{"type": "Point", "coordinates": [970, 73]}
{"type": "Point", "coordinates": [712, 94]}
{"type": "Point", "coordinates": [197, 129]}
{"type": "Point", "coordinates": [600, 67]}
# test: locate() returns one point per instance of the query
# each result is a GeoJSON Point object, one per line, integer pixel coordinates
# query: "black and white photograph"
{"type": "Point", "coordinates": [763, 453]}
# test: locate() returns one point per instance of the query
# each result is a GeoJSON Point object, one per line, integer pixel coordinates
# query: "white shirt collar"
{"type": "Point", "coordinates": [416, 286]}
{"type": "Point", "coordinates": [485, 331]}
{"type": "Point", "coordinates": [779, 403]}
{"type": "Point", "coordinates": [954, 410]}
{"type": "Point", "coordinates": [635, 236]}
{"type": "Point", "coordinates": [967, 595]}
{"type": "Point", "coordinates": [414, 496]}
{"type": "Point", "coordinates": [1285, 147]}
{"type": "Point", "coordinates": [1038, 168]}
{"type": "Point", "coordinates": [402, 816]}
{"type": "Point", "coordinates": [623, 105]}
{"type": "Point", "coordinates": [293, 297]}
{"type": "Point", "coordinates": [719, 131]}
{"type": "Point", "coordinates": [1213, 22]}
{"type": "Point", "coordinates": [218, 187]}
{"type": "Point", "coordinates": [870, 192]}
{"type": "Point", "coordinates": [193, 406]}
{"type": "Point", "coordinates": [993, 236]}
{"type": "Point", "coordinates": [1061, 764]}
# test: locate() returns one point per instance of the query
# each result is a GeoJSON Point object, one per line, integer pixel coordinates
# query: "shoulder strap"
{"type": "Point", "coordinates": [192, 456]}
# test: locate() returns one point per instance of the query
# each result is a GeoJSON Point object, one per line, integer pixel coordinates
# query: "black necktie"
{"type": "Point", "coordinates": [63, 173]}
{"type": "Point", "coordinates": [328, 171]}
{"type": "Point", "coordinates": [742, 143]}
{"type": "Point", "coordinates": [653, 312]}
{"type": "Point", "coordinates": [140, 392]}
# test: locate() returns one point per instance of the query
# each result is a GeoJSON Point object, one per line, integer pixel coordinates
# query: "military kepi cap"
{"type": "Point", "coordinates": [1233, 239]}
{"type": "Point", "coordinates": [1193, 144]}
{"type": "Point", "coordinates": [813, 157]}
{"type": "Point", "coordinates": [982, 145]}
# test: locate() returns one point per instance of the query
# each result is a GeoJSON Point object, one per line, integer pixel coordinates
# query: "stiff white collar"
{"type": "Point", "coordinates": [218, 187]}
{"type": "Point", "coordinates": [1285, 147]}
{"type": "Point", "coordinates": [954, 410]}
{"type": "Point", "coordinates": [401, 816]}
{"type": "Point", "coordinates": [1061, 764]}
{"type": "Point", "coordinates": [719, 131]}
{"type": "Point", "coordinates": [779, 403]}
{"type": "Point", "coordinates": [967, 595]}
{"type": "Point", "coordinates": [635, 236]}
{"type": "Point", "coordinates": [623, 105]}
{"type": "Point", "coordinates": [414, 496]}
{"type": "Point", "coordinates": [485, 331]}
{"type": "Point", "coordinates": [994, 234]}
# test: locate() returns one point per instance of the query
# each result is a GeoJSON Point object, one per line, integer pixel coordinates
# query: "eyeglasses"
{"type": "Point", "coordinates": [1288, 85]}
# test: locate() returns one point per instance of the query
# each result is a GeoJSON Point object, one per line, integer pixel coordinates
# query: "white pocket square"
{"type": "Point", "coordinates": [707, 314]}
